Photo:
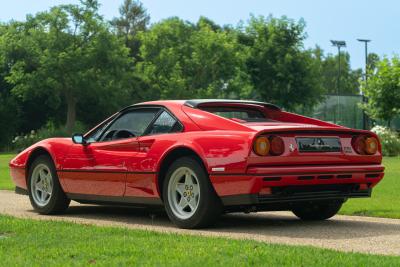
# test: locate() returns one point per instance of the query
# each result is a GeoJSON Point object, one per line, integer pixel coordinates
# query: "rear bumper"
{"type": "Point", "coordinates": [263, 185]}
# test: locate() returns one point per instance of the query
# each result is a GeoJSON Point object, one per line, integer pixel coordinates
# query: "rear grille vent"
{"type": "Point", "coordinates": [344, 176]}
{"type": "Point", "coordinates": [324, 177]}
{"type": "Point", "coordinates": [302, 178]}
{"type": "Point", "coordinates": [372, 175]}
{"type": "Point", "coordinates": [272, 179]}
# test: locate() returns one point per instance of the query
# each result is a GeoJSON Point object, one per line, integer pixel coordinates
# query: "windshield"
{"type": "Point", "coordinates": [238, 114]}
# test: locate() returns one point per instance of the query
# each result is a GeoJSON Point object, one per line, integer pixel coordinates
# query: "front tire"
{"type": "Point", "coordinates": [317, 211]}
{"type": "Point", "coordinates": [45, 192]}
{"type": "Point", "coordinates": [189, 197]}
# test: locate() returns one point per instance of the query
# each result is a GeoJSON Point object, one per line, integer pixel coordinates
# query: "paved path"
{"type": "Point", "coordinates": [344, 233]}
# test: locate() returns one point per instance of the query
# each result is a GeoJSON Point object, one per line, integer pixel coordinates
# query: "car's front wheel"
{"type": "Point", "coordinates": [317, 211]}
{"type": "Point", "coordinates": [45, 192]}
{"type": "Point", "coordinates": [189, 197]}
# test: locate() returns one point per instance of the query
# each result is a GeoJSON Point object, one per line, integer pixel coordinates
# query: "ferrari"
{"type": "Point", "coordinates": [201, 158]}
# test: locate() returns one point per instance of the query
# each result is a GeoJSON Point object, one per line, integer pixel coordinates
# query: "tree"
{"type": "Point", "coordinates": [182, 60]}
{"type": "Point", "coordinates": [281, 71]}
{"type": "Point", "coordinates": [383, 91]}
{"type": "Point", "coordinates": [329, 71]}
{"type": "Point", "coordinates": [133, 19]}
{"type": "Point", "coordinates": [373, 60]}
{"type": "Point", "coordinates": [69, 55]}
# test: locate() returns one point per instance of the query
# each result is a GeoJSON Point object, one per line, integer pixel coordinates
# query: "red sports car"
{"type": "Point", "coordinates": [200, 158]}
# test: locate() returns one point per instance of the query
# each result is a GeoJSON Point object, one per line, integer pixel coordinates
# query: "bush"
{"type": "Point", "coordinates": [389, 140]}
{"type": "Point", "coordinates": [22, 141]}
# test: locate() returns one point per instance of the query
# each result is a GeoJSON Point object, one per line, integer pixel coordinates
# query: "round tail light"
{"type": "Point", "coordinates": [365, 145]}
{"type": "Point", "coordinates": [371, 145]}
{"type": "Point", "coordinates": [261, 146]}
{"type": "Point", "coordinates": [277, 146]}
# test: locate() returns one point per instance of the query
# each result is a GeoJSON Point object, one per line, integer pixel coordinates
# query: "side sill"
{"type": "Point", "coordinates": [116, 200]}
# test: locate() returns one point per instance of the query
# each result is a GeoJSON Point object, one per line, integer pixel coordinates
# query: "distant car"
{"type": "Point", "coordinates": [201, 158]}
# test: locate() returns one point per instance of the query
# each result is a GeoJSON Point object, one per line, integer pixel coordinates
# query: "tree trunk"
{"type": "Point", "coordinates": [71, 112]}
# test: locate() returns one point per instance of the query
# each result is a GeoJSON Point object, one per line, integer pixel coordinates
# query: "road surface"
{"type": "Point", "coordinates": [343, 233]}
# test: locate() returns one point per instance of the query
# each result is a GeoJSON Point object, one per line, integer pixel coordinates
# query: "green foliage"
{"type": "Point", "coordinates": [181, 60]}
{"type": "Point", "coordinates": [69, 62]}
{"type": "Point", "coordinates": [389, 139]}
{"type": "Point", "coordinates": [133, 19]}
{"type": "Point", "coordinates": [68, 54]}
{"type": "Point", "coordinates": [383, 90]}
{"type": "Point", "coordinates": [281, 71]}
{"type": "Point", "coordinates": [329, 71]}
{"type": "Point", "coordinates": [22, 141]}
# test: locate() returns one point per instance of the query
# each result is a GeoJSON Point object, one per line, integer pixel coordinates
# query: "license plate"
{"type": "Point", "coordinates": [318, 144]}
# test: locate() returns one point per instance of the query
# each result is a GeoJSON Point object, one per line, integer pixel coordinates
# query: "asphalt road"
{"type": "Point", "coordinates": [344, 233]}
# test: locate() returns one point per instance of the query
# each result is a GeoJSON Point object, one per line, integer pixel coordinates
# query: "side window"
{"type": "Point", "coordinates": [130, 124]}
{"type": "Point", "coordinates": [165, 123]}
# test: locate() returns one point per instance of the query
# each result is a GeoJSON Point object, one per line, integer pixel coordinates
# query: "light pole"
{"type": "Point", "coordinates": [365, 41]}
{"type": "Point", "coordinates": [338, 44]}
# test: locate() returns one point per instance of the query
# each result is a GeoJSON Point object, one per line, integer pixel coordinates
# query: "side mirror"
{"type": "Point", "coordinates": [78, 139]}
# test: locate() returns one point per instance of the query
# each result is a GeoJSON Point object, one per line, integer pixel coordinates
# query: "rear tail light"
{"type": "Point", "coordinates": [277, 145]}
{"type": "Point", "coordinates": [371, 145]}
{"type": "Point", "coordinates": [269, 145]}
{"type": "Point", "coordinates": [364, 145]}
{"type": "Point", "coordinates": [261, 146]}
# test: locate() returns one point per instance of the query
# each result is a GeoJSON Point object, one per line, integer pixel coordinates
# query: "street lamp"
{"type": "Point", "coordinates": [338, 44]}
{"type": "Point", "coordinates": [365, 41]}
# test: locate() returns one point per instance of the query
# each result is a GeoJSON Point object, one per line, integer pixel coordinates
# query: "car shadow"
{"type": "Point", "coordinates": [261, 224]}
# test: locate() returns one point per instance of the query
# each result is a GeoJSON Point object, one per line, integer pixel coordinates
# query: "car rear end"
{"type": "Point", "coordinates": [286, 167]}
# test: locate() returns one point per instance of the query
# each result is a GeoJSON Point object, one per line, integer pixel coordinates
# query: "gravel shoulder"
{"type": "Point", "coordinates": [342, 233]}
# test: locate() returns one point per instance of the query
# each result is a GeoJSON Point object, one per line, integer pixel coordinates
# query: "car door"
{"type": "Point", "coordinates": [100, 167]}
{"type": "Point", "coordinates": [160, 135]}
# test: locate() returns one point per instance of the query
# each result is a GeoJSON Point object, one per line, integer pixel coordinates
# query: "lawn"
{"type": "Point", "coordinates": [5, 180]}
{"type": "Point", "coordinates": [385, 201]}
{"type": "Point", "coordinates": [25, 242]}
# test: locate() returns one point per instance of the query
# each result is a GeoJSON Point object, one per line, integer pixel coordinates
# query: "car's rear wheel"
{"type": "Point", "coordinates": [317, 211]}
{"type": "Point", "coordinates": [189, 197]}
{"type": "Point", "coordinates": [45, 192]}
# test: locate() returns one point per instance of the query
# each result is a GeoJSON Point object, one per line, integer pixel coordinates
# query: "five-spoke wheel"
{"type": "Point", "coordinates": [184, 192]}
{"type": "Point", "coordinates": [41, 184]}
{"type": "Point", "coordinates": [45, 192]}
{"type": "Point", "coordinates": [189, 197]}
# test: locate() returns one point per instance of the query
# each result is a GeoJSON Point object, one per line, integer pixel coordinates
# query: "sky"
{"type": "Point", "coordinates": [325, 20]}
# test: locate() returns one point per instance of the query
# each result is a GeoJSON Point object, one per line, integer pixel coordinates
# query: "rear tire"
{"type": "Point", "coordinates": [317, 211]}
{"type": "Point", "coordinates": [189, 197]}
{"type": "Point", "coordinates": [45, 192]}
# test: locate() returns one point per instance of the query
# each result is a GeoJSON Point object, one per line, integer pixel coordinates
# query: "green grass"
{"type": "Point", "coordinates": [385, 200]}
{"type": "Point", "coordinates": [5, 180]}
{"type": "Point", "coordinates": [26, 242]}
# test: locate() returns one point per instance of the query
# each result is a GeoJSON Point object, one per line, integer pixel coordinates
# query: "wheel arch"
{"type": "Point", "coordinates": [37, 152]}
{"type": "Point", "coordinates": [169, 157]}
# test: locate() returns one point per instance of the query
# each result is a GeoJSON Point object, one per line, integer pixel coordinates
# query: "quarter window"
{"type": "Point", "coordinates": [165, 123]}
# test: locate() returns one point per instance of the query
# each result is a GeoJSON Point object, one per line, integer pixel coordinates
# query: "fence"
{"type": "Point", "coordinates": [343, 110]}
